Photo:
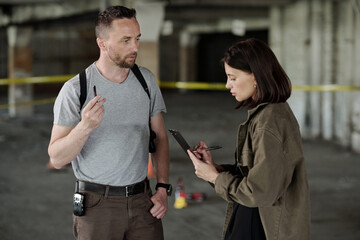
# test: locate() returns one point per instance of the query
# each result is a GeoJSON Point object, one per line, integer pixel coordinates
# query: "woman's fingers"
{"type": "Point", "coordinates": [192, 157]}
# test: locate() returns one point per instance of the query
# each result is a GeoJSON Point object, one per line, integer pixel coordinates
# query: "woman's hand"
{"type": "Point", "coordinates": [201, 153]}
{"type": "Point", "coordinates": [203, 163]}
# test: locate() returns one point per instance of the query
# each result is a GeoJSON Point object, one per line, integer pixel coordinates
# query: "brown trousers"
{"type": "Point", "coordinates": [117, 218]}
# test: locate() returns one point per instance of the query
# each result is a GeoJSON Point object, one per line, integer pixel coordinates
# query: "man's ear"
{"type": "Point", "coordinates": [101, 43]}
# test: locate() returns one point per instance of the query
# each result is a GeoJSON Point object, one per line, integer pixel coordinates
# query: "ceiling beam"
{"type": "Point", "coordinates": [209, 13]}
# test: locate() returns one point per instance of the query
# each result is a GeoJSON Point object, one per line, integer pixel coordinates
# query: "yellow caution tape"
{"type": "Point", "coordinates": [33, 80]}
{"type": "Point", "coordinates": [221, 86]}
{"type": "Point", "coordinates": [178, 85]}
{"type": "Point", "coordinates": [326, 88]}
{"type": "Point", "coordinates": [22, 104]}
{"type": "Point", "coordinates": [193, 85]}
{"type": "Point", "coordinates": [173, 85]}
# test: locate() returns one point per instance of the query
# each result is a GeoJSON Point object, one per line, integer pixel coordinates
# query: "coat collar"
{"type": "Point", "coordinates": [253, 111]}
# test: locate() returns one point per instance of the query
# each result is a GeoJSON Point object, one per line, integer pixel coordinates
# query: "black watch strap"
{"type": "Point", "coordinates": [168, 187]}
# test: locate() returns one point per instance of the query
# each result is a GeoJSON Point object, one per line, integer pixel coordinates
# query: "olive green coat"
{"type": "Point", "coordinates": [269, 149]}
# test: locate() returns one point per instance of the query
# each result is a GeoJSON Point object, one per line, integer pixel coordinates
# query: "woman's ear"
{"type": "Point", "coordinates": [255, 83]}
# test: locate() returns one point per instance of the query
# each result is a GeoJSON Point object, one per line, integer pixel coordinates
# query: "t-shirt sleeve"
{"type": "Point", "coordinates": [67, 104]}
{"type": "Point", "coordinates": [157, 104]}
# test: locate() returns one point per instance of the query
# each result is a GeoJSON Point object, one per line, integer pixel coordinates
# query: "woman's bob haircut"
{"type": "Point", "coordinates": [254, 56]}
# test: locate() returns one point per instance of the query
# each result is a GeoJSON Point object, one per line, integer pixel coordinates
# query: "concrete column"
{"type": "Point", "coordinates": [187, 64]}
{"type": "Point", "coordinates": [327, 100]}
{"type": "Point", "coordinates": [148, 56]}
{"type": "Point", "coordinates": [355, 133]}
{"type": "Point", "coordinates": [276, 32]}
{"type": "Point", "coordinates": [295, 56]}
{"type": "Point", "coordinates": [20, 65]}
{"type": "Point", "coordinates": [11, 33]}
{"type": "Point", "coordinates": [345, 64]}
{"type": "Point", "coordinates": [150, 16]}
{"type": "Point", "coordinates": [315, 60]}
{"type": "Point", "coordinates": [183, 67]}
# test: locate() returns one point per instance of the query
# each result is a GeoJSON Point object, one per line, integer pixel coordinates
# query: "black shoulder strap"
{"type": "Point", "coordinates": [135, 69]}
{"type": "Point", "coordinates": [83, 88]}
{"type": "Point", "coordinates": [140, 77]}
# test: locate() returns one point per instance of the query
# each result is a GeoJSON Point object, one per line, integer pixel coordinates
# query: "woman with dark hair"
{"type": "Point", "coordinates": [266, 189]}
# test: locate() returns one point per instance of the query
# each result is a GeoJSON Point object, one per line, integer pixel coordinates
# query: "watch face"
{"type": "Point", "coordinates": [168, 187]}
{"type": "Point", "coordinates": [169, 190]}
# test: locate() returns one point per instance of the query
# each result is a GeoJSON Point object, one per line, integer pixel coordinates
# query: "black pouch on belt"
{"type": "Point", "coordinates": [78, 202]}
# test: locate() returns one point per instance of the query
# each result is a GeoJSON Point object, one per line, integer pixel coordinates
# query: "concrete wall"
{"type": "Point", "coordinates": [294, 51]}
{"type": "Point", "coordinates": [315, 41]}
{"type": "Point", "coordinates": [355, 73]}
{"type": "Point", "coordinates": [320, 40]}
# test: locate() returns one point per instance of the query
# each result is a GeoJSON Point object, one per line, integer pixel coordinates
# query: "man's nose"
{"type": "Point", "coordinates": [135, 46]}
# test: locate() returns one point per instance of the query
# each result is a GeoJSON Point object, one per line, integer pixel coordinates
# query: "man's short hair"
{"type": "Point", "coordinates": [105, 18]}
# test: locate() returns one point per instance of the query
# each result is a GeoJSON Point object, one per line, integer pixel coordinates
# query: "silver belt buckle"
{"type": "Point", "coordinates": [126, 191]}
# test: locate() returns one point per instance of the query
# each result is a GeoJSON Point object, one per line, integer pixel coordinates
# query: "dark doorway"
{"type": "Point", "coordinates": [211, 48]}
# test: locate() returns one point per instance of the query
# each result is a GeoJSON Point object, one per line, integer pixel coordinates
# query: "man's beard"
{"type": "Point", "coordinates": [124, 63]}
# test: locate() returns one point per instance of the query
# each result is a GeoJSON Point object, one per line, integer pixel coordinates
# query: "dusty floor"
{"type": "Point", "coordinates": [36, 202]}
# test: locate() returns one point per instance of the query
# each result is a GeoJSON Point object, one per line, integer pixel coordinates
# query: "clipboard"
{"type": "Point", "coordinates": [180, 139]}
{"type": "Point", "coordinates": [184, 145]}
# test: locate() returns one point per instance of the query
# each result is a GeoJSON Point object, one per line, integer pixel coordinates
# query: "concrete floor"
{"type": "Point", "coordinates": [36, 202]}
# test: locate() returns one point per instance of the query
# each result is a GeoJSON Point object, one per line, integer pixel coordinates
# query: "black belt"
{"type": "Point", "coordinates": [127, 191]}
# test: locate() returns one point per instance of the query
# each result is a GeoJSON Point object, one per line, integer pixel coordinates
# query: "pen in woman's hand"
{"type": "Point", "coordinates": [209, 148]}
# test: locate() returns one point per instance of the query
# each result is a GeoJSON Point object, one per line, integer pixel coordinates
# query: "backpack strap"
{"type": "Point", "coordinates": [140, 77]}
{"type": "Point", "coordinates": [83, 88]}
{"type": "Point", "coordinates": [135, 69]}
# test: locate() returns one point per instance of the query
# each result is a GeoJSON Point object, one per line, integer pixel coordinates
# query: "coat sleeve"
{"type": "Point", "coordinates": [268, 177]}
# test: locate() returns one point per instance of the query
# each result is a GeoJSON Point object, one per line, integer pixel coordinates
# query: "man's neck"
{"type": "Point", "coordinates": [112, 72]}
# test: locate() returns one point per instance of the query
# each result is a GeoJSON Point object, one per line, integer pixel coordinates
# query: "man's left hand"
{"type": "Point", "coordinates": [160, 203]}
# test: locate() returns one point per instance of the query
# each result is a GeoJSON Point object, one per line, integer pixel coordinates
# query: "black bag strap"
{"type": "Point", "coordinates": [83, 88]}
{"type": "Point", "coordinates": [135, 69]}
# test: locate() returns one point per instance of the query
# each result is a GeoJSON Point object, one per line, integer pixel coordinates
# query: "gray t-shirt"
{"type": "Point", "coordinates": [116, 153]}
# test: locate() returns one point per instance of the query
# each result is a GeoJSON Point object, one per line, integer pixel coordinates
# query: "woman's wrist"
{"type": "Point", "coordinates": [213, 178]}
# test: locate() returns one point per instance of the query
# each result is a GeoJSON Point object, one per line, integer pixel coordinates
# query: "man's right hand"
{"type": "Point", "coordinates": [93, 113]}
{"type": "Point", "coordinates": [67, 142]}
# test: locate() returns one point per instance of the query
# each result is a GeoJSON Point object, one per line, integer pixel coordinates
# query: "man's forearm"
{"type": "Point", "coordinates": [65, 149]}
{"type": "Point", "coordinates": [161, 158]}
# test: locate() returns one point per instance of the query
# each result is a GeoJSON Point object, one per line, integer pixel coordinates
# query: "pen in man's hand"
{"type": "Point", "coordinates": [95, 91]}
{"type": "Point", "coordinates": [210, 148]}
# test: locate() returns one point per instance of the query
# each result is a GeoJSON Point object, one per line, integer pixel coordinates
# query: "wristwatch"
{"type": "Point", "coordinates": [168, 187]}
